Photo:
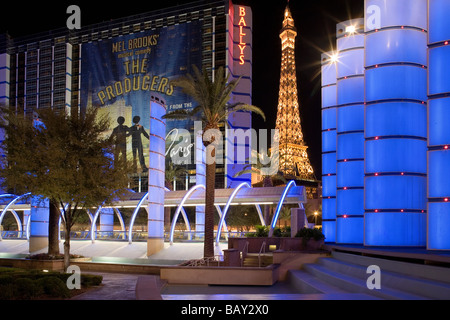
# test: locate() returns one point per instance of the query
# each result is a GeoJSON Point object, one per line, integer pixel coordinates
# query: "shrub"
{"type": "Point", "coordinates": [4, 270]}
{"type": "Point", "coordinates": [308, 233]}
{"type": "Point", "coordinates": [26, 289]}
{"type": "Point", "coordinates": [6, 291]}
{"type": "Point", "coordinates": [89, 280]}
{"type": "Point", "coordinates": [6, 279]}
{"type": "Point", "coordinates": [54, 287]}
{"type": "Point", "coordinates": [46, 256]}
{"type": "Point", "coordinates": [282, 232]}
{"type": "Point", "coordinates": [262, 231]}
{"type": "Point", "coordinates": [30, 284]}
{"type": "Point", "coordinates": [277, 232]}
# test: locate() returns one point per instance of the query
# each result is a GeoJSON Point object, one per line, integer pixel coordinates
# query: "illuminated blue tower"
{"type": "Point", "coordinates": [107, 220]}
{"type": "Point", "coordinates": [350, 132]}
{"type": "Point", "coordinates": [395, 122]}
{"type": "Point", "coordinates": [39, 216]}
{"type": "Point", "coordinates": [156, 176]}
{"type": "Point", "coordinates": [329, 146]}
{"type": "Point", "coordinates": [438, 128]}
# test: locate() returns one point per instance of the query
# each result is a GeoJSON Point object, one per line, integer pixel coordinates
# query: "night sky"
{"type": "Point", "coordinates": [315, 20]}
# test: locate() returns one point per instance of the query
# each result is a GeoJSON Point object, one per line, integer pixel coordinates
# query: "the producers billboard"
{"type": "Point", "coordinates": [122, 73]}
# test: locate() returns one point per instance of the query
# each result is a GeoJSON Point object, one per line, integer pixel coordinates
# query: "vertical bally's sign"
{"type": "Point", "coordinates": [241, 38]}
{"type": "Point", "coordinates": [239, 65]}
{"type": "Point", "coordinates": [242, 44]}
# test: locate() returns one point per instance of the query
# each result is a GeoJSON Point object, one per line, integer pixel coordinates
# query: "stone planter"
{"type": "Point", "coordinates": [314, 245]}
{"type": "Point", "coordinates": [284, 244]}
{"type": "Point", "coordinates": [51, 265]}
{"type": "Point", "coordinates": [230, 276]}
{"type": "Point", "coordinates": [297, 244]}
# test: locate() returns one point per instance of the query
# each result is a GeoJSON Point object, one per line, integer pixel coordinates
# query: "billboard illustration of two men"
{"type": "Point", "coordinates": [119, 136]}
{"type": "Point", "coordinates": [120, 75]}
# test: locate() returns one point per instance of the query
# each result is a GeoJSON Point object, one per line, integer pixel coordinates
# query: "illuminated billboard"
{"type": "Point", "coordinates": [120, 75]}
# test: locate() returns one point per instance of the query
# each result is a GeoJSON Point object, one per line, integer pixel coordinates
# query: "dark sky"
{"type": "Point", "coordinates": [315, 20]}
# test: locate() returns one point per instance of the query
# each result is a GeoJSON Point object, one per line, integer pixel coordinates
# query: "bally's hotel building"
{"type": "Point", "coordinates": [118, 65]}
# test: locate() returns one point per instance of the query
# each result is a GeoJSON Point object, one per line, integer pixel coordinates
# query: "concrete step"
{"type": "Point", "coordinates": [304, 282]}
{"type": "Point", "coordinates": [439, 274]}
{"type": "Point", "coordinates": [407, 277]}
{"type": "Point", "coordinates": [256, 261]}
{"type": "Point", "coordinates": [354, 284]}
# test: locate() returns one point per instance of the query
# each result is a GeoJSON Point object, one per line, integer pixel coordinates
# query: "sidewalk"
{"type": "Point", "coordinates": [115, 286]}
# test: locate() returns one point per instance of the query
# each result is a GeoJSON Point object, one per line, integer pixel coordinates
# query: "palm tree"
{"type": "Point", "coordinates": [173, 173]}
{"type": "Point", "coordinates": [212, 96]}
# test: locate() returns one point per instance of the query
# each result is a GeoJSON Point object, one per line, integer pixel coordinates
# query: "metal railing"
{"type": "Point", "coordinates": [244, 253]}
{"type": "Point", "coordinates": [13, 235]}
{"type": "Point", "coordinates": [179, 236]}
{"type": "Point", "coordinates": [262, 250]}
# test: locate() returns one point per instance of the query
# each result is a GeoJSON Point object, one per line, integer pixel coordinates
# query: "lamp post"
{"type": "Point", "coordinates": [315, 217]}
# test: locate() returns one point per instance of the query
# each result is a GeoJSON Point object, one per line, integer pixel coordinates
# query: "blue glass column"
{"type": "Point", "coordinates": [329, 146]}
{"type": "Point", "coordinates": [156, 176]}
{"type": "Point", "coordinates": [350, 132]}
{"type": "Point", "coordinates": [39, 216]}
{"type": "Point", "coordinates": [438, 235]}
{"type": "Point", "coordinates": [200, 179]}
{"type": "Point", "coordinates": [26, 216]}
{"type": "Point", "coordinates": [395, 122]}
{"type": "Point", "coordinates": [107, 220]}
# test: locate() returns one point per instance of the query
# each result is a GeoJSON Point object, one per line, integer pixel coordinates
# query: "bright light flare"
{"type": "Point", "coordinates": [334, 58]}
{"type": "Point", "coordinates": [350, 29]}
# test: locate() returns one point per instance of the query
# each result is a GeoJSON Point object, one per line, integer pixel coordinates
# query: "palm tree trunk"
{"type": "Point", "coordinates": [209, 210]}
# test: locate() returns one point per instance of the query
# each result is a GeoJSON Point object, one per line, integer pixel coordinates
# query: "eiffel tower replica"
{"type": "Point", "coordinates": [293, 157]}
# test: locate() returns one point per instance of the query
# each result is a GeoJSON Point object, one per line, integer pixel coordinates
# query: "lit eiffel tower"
{"type": "Point", "coordinates": [293, 158]}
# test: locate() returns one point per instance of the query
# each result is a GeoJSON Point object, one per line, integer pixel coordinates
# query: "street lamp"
{"type": "Point", "coordinates": [315, 217]}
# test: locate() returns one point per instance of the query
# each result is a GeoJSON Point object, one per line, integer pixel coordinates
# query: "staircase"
{"type": "Point", "coordinates": [254, 259]}
{"type": "Point", "coordinates": [346, 273]}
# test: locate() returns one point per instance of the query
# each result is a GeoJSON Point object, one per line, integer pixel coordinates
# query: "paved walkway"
{"type": "Point", "coordinates": [148, 287]}
{"type": "Point", "coordinates": [180, 251]}
{"type": "Point", "coordinates": [114, 287]}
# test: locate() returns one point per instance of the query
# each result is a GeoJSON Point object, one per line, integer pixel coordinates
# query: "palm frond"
{"type": "Point", "coordinates": [177, 114]}
{"type": "Point", "coordinates": [246, 171]}
{"type": "Point", "coordinates": [245, 107]}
